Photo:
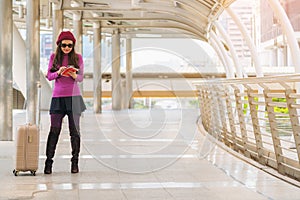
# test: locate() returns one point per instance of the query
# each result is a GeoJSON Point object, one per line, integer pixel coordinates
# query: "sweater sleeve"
{"type": "Point", "coordinates": [81, 68]}
{"type": "Point", "coordinates": [51, 75]}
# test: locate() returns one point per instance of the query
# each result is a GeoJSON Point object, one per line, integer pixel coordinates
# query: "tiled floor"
{"type": "Point", "coordinates": [141, 154]}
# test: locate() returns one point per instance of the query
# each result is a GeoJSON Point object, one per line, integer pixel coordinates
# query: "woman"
{"type": "Point", "coordinates": [66, 98]}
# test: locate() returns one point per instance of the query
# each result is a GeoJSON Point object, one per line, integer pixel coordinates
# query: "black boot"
{"type": "Point", "coordinates": [50, 149]}
{"type": "Point", "coordinates": [48, 166]}
{"type": "Point", "coordinates": [75, 144]}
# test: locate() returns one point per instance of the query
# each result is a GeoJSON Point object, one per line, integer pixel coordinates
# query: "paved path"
{"type": "Point", "coordinates": [140, 154]}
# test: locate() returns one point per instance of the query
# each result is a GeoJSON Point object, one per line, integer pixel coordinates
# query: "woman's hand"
{"type": "Point", "coordinates": [73, 74]}
{"type": "Point", "coordinates": [61, 69]}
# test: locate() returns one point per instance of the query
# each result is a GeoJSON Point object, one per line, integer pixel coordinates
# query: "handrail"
{"type": "Point", "coordinates": [257, 117]}
{"type": "Point", "coordinates": [265, 79]}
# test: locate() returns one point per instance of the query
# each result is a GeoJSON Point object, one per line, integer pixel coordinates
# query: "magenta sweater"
{"type": "Point", "coordinates": [65, 86]}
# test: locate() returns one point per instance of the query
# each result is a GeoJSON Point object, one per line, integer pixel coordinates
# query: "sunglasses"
{"type": "Point", "coordinates": [66, 45]}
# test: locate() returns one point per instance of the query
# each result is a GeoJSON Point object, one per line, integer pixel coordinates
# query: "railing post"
{"type": "Point", "coordinates": [215, 112]}
{"type": "Point", "coordinates": [208, 106]}
{"type": "Point", "coordinates": [255, 125]}
{"type": "Point", "coordinates": [274, 130]}
{"type": "Point", "coordinates": [240, 110]}
{"type": "Point", "coordinates": [290, 101]}
{"type": "Point", "coordinates": [203, 107]}
{"type": "Point", "coordinates": [231, 118]}
{"type": "Point", "coordinates": [222, 109]}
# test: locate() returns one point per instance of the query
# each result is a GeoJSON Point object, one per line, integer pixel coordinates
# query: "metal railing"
{"type": "Point", "coordinates": [257, 117]}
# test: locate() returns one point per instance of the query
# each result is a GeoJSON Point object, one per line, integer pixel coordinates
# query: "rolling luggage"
{"type": "Point", "coordinates": [27, 149]}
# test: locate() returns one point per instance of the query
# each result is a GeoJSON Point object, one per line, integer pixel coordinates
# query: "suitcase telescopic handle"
{"type": "Point", "coordinates": [38, 112]}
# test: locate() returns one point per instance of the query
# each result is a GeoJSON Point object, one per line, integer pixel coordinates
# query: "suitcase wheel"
{"type": "Point", "coordinates": [33, 172]}
{"type": "Point", "coordinates": [16, 173]}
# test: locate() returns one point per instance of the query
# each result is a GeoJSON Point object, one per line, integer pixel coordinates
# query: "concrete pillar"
{"type": "Point", "coordinates": [6, 94]}
{"type": "Point", "coordinates": [129, 80]}
{"type": "Point", "coordinates": [124, 103]}
{"type": "Point", "coordinates": [32, 60]}
{"type": "Point", "coordinates": [115, 74]}
{"type": "Point", "coordinates": [57, 23]}
{"type": "Point", "coordinates": [97, 75]}
{"type": "Point", "coordinates": [77, 25]}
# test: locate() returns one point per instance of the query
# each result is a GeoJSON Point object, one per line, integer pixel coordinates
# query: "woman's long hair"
{"type": "Point", "coordinates": [59, 55]}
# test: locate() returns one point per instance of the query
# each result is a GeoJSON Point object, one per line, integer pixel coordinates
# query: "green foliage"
{"type": "Point", "coordinates": [276, 108]}
{"type": "Point", "coordinates": [194, 103]}
{"type": "Point", "coordinates": [139, 105]}
{"type": "Point", "coordinates": [279, 99]}
{"type": "Point", "coordinates": [280, 109]}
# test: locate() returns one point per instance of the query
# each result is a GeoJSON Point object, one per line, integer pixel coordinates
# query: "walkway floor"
{"type": "Point", "coordinates": [140, 154]}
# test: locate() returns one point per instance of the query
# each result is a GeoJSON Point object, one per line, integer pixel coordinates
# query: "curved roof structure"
{"type": "Point", "coordinates": [168, 18]}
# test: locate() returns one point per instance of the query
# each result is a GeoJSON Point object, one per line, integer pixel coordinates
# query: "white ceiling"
{"type": "Point", "coordinates": [167, 18]}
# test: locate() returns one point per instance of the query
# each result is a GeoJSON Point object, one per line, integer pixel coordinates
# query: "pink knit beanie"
{"type": "Point", "coordinates": [65, 35]}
